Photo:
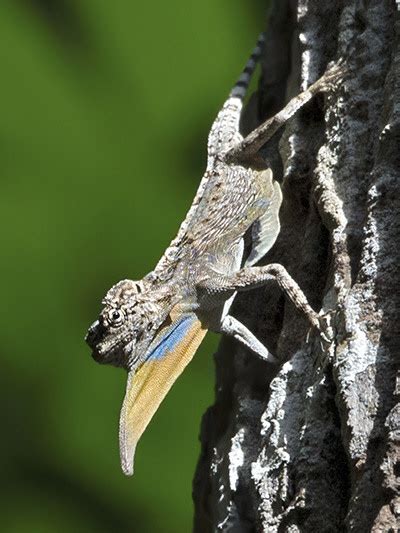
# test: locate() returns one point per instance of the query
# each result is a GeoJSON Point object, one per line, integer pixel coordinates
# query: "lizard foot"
{"type": "Point", "coordinates": [322, 323]}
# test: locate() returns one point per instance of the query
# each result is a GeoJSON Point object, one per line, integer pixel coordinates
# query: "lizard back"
{"type": "Point", "coordinates": [233, 200]}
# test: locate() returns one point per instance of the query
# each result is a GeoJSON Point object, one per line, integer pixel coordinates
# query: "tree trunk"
{"type": "Point", "coordinates": [313, 445]}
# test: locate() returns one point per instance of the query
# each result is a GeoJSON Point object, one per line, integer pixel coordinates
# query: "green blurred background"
{"type": "Point", "coordinates": [105, 110]}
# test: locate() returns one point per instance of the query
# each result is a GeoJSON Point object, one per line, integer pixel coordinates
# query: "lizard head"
{"type": "Point", "coordinates": [148, 331]}
{"type": "Point", "coordinates": [132, 313]}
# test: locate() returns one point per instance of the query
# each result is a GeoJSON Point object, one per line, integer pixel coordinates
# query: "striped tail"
{"type": "Point", "coordinates": [240, 88]}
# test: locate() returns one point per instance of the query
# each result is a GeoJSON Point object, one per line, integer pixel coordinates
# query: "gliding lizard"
{"type": "Point", "coordinates": [153, 327]}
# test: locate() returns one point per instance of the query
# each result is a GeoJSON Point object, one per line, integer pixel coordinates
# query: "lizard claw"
{"type": "Point", "coordinates": [335, 75]}
{"type": "Point", "coordinates": [325, 328]}
{"type": "Point", "coordinates": [323, 324]}
{"type": "Point", "coordinates": [326, 337]}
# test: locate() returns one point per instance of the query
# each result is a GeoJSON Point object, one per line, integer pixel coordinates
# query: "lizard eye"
{"type": "Point", "coordinates": [116, 317]}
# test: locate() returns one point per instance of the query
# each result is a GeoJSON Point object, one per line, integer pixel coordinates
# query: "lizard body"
{"type": "Point", "coordinates": [153, 327]}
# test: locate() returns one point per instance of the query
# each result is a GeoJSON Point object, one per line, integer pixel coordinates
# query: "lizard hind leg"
{"type": "Point", "coordinates": [247, 148]}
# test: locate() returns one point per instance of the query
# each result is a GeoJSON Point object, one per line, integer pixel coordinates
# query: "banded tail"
{"type": "Point", "coordinates": [240, 88]}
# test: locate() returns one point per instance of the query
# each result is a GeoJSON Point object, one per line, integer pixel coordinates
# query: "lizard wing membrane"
{"type": "Point", "coordinates": [147, 387]}
{"type": "Point", "coordinates": [265, 230]}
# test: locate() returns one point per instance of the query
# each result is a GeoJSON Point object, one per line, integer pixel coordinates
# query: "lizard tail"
{"type": "Point", "coordinates": [240, 88]}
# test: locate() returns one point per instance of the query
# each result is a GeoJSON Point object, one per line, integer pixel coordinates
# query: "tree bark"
{"type": "Point", "coordinates": [313, 445]}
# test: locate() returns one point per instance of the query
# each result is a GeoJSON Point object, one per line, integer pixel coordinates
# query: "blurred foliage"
{"type": "Point", "coordinates": [105, 110]}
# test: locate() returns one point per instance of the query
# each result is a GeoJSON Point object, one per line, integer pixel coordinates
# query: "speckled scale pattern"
{"type": "Point", "coordinates": [229, 205]}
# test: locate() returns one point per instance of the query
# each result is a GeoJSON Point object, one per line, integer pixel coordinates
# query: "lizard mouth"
{"type": "Point", "coordinates": [96, 338]}
{"type": "Point", "coordinates": [109, 349]}
{"type": "Point", "coordinates": [112, 354]}
{"type": "Point", "coordinates": [99, 355]}
{"type": "Point", "coordinates": [95, 335]}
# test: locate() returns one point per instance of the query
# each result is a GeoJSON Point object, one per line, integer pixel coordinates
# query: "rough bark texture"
{"type": "Point", "coordinates": [314, 445]}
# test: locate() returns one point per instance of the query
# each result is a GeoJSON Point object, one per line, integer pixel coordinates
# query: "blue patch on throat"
{"type": "Point", "coordinates": [172, 337]}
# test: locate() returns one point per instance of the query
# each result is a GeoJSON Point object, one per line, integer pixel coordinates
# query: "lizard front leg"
{"type": "Point", "coordinates": [253, 277]}
{"type": "Point", "coordinates": [232, 327]}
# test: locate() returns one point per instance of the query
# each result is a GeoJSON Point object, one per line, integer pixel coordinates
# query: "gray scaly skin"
{"type": "Point", "coordinates": [203, 268]}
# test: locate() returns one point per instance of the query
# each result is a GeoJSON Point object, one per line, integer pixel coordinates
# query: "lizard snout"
{"type": "Point", "coordinates": [95, 334]}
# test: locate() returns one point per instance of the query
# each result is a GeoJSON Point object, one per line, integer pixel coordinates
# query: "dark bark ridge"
{"type": "Point", "coordinates": [314, 444]}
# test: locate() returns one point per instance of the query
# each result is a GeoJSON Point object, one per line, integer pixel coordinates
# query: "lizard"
{"type": "Point", "coordinates": [152, 327]}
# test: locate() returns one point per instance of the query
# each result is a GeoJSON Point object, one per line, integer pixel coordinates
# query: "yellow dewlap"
{"type": "Point", "coordinates": [147, 388]}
